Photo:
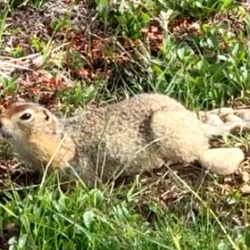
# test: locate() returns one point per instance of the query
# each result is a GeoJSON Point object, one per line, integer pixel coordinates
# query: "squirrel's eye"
{"type": "Point", "coordinates": [25, 116]}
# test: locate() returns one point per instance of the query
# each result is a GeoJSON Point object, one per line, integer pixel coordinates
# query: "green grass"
{"type": "Point", "coordinates": [49, 218]}
{"type": "Point", "coordinates": [107, 56]}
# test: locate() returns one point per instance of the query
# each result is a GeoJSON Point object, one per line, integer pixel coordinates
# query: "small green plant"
{"type": "Point", "coordinates": [63, 22]}
{"type": "Point", "coordinates": [16, 52]}
{"type": "Point", "coordinates": [15, 31]}
{"type": "Point", "coordinates": [37, 44]}
{"type": "Point", "coordinates": [199, 8]}
{"type": "Point", "coordinates": [78, 96]}
{"type": "Point", "coordinates": [3, 15]}
{"type": "Point", "coordinates": [10, 85]}
{"type": "Point", "coordinates": [128, 18]}
{"type": "Point", "coordinates": [75, 60]}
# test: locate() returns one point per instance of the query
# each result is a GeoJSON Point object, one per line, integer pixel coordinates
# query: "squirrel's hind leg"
{"type": "Point", "coordinates": [180, 135]}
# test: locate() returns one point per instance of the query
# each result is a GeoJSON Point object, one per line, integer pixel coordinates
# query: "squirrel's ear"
{"type": "Point", "coordinates": [46, 115]}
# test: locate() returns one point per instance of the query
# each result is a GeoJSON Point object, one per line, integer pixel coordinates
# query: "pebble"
{"type": "Point", "coordinates": [222, 161]}
{"type": "Point", "coordinates": [213, 119]}
{"type": "Point", "coordinates": [233, 118]}
{"type": "Point", "coordinates": [244, 116]}
{"type": "Point", "coordinates": [245, 176]}
{"type": "Point", "coordinates": [245, 189]}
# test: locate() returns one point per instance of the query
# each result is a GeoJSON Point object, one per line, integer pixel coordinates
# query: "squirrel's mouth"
{"type": "Point", "coordinates": [5, 134]}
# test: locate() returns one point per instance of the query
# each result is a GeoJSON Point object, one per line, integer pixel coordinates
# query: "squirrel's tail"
{"type": "Point", "coordinates": [226, 128]}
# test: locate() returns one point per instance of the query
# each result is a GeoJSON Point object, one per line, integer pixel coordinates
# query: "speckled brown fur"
{"type": "Point", "coordinates": [134, 135]}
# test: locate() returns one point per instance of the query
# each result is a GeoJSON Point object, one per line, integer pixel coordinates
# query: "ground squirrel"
{"type": "Point", "coordinates": [133, 135]}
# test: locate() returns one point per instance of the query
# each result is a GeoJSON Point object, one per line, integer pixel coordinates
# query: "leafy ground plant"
{"type": "Point", "coordinates": [69, 54]}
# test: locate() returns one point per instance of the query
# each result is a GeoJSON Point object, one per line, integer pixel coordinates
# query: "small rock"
{"type": "Point", "coordinates": [245, 116]}
{"type": "Point", "coordinates": [222, 161]}
{"type": "Point", "coordinates": [246, 126]}
{"type": "Point", "coordinates": [245, 189]}
{"type": "Point", "coordinates": [233, 118]}
{"type": "Point", "coordinates": [213, 119]}
{"type": "Point", "coordinates": [228, 179]}
{"type": "Point", "coordinates": [245, 176]}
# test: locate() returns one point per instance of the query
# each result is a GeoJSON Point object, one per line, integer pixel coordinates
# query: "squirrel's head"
{"type": "Point", "coordinates": [23, 120]}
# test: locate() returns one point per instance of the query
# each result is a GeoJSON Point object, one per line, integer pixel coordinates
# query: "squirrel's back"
{"type": "Point", "coordinates": [131, 133]}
